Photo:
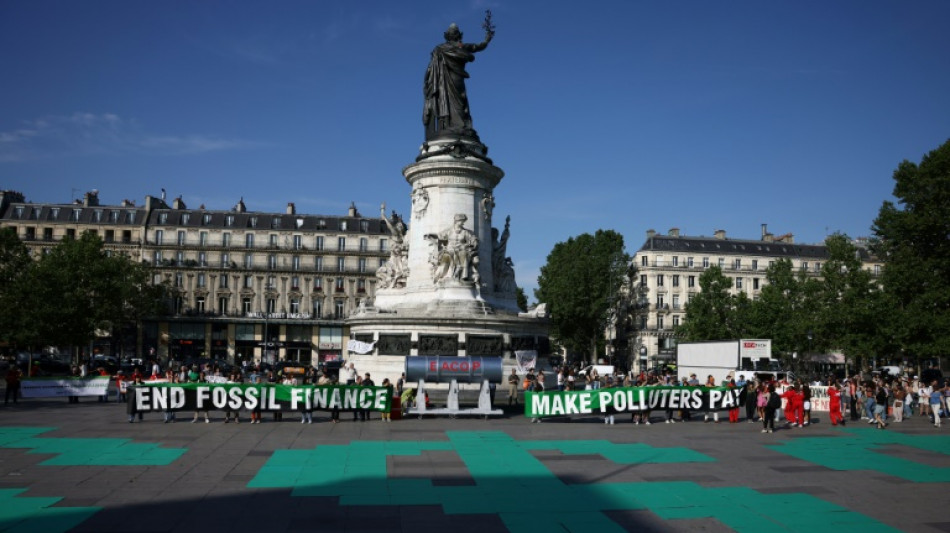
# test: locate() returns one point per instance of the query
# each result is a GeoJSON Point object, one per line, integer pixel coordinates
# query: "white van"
{"type": "Point", "coordinates": [602, 370]}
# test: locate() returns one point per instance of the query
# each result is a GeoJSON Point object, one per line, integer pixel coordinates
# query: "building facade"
{"type": "Point", "coordinates": [669, 267]}
{"type": "Point", "coordinates": [243, 285]}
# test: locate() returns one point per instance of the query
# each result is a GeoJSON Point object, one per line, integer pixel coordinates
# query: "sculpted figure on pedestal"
{"type": "Point", "coordinates": [454, 253]}
{"type": "Point", "coordinates": [446, 108]}
{"type": "Point", "coordinates": [393, 274]}
{"type": "Point", "coordinates": [503, 270]}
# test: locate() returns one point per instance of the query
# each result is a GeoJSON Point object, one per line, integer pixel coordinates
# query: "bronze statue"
{"type": "Point", "coordinates": [446, 111]}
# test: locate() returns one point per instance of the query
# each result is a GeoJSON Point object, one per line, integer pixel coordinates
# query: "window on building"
{"type": "Point", "coordinates": [659, 322]}
{"type": "Point", "coordinates": [660, 301]}
{"type": "Point", "coordinates": [676, 301]}
{"type": "Point", "coordinates": [225, 260]}
{"type": "Point", "coordinates": [275, 222]}
{"type": "Point", "coordinates": [339, 285]}
{"type": "Point", "coordinates": [319, 243]}
{"type": "Point", "coordinates": [180, 258]}
{"type": "Point", "coordinates": [295, 306]}
{"type": "Point", "coordinates": [739, 283]}
{"type": "Point", "coordinates": [181, 238]}
{"type": "Point", "coordinates": [159, 236]}
{"type": "Point", "coordinates": [877, 270]}
{"type": "Point", "coordinates": [271, 283]}
{"type": "Point", "coordinates": [248, 282]}
{"type": "Point", "coordinates": [659, 280]}
{"type": "Point", "coordinates": [246, 305]}
{"type": "Point", "coordinates": [362, 264]}
{"type": "Point", "coordinates": [295, 283]}
{"type": "Point", "coordinates": [737, 264]}
{"type": "Point", "coordinates": [817, 266]}
{"type": "Point", "coordinates": [202, 282]}
{"type": "Point", "coordinates": [689, 262]}
{"type": "Point", "coordinates": [203, 259]}
{"type": "Point", "coordinates": [676, 320]}
{"type": "Point", "coordinates": [205, 219]}
{"type": "Point", "coordinates": [130, 217]}
{"type": "Point", "coordinates": [721, 263]}
{"type": "Point", "coordinates": [317, 284]}
{"type": "Point", "coordinates": [382, 245]}
{"type": "Point", "coordinates": [643, 280]}
{"type": "Point", "coordinates": [341, 244]}
{"type": "Point", "coordinates": [364, 225]}
{"type": "Point", "coordinates": [317, 308]}
{"type": "Point", "coordinates": [96, 215]}
{"type": "Point", "coordinates": [273, 240]}
{"type": "Point", "coordinates": [223, 305]}
{"type": "Point", "coordinates": [343, 225]}
{"type": "Point", "coordinates": [185, 219]}
{"type": "Point", "coordinates": [755, 264]}
{"type": "Point", "coordinates": [691, 281]}
{"type": "Point", "coordinates": [179, 280]}
{"type": "Point", "coordinates": [271, 305]}
{"type": "Point", "coordinates": [364, 244]}
{"type": "Point", "coordinates": [252, 222]}
{"type": "Point", "coordinates": [361, 285]}
{"type": "Point", "coordinates": [295, 262]}
{"type": "Point", "coordinates": [223, 281]}
{"type": "Point", "coordinates": [271, 261]}
{"type": "Point", "coordinates": [229, 220]}
{"type": "Point", "coordinates": [249, 240]}
{"type": "Point", "coordinates": [705, 262]}
{"type": "Point", "coordinates": [298, 242]}
{"type": "Point", "coordinates": [341, 264]}
{"type": "Point", "coordinates": [644, 261]}
{"type": "Point", "coordinates": [162, 218]}
{"type": "Point", "coordinates": [157, 258]}
{"type": "Point", "coordinates": [676, 261]}
{"type": "Point", "coordinates": [203, 238]}
{"type": "Point", "coordinates": [755, 284]}
{"type": "Point", "coordinates": [75, 215]}
{"type": "Point", "coordinates": [804, 265]}
{"type": "Point", "coordinates": [226, 239]}
{"type": "Point", "coordinates": [248, 261]}
{"type": "Point", "coordinates": [676, 280]}
{"type": "Point", "coordinates": [318, 263]}
{"type": "Point", "coordinates": [338, 309]}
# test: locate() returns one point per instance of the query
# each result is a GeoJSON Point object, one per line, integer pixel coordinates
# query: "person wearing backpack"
{"type": "Point", "coordinates": [774, 402]}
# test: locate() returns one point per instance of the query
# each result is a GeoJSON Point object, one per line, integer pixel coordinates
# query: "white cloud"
{"type": "Point", "coordinates": [82, 134]}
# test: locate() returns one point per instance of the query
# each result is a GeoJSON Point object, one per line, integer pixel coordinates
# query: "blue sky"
{"type": "Point", "coordinates": [632, 115]}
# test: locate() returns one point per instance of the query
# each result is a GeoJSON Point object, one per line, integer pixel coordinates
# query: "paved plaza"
{"type": "Point", "coordinates": [83, 467]}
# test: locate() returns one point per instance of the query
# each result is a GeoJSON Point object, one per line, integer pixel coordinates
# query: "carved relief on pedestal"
{"type": "Point", "coordinates": [393, 274]}
{"type": "Point", "coordinates": [454, 253]}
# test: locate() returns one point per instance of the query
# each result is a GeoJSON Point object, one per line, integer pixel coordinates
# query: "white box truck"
{"type": "Point", "coordinates": [748, 357]}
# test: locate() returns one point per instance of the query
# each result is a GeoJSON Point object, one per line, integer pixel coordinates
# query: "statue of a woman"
{"type": "Point", "coordinates": [446, 109]}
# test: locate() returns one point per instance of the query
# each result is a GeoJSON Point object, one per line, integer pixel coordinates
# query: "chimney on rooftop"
{"type": "Point", "coordinates": [674, 232]}
{"type": "Point", "coordinates": [720, 234]}
{"type": "Point", "coordinates": [651, 233]}
{"type": "Point", "coordinates": [352, 211]}
{"type": "Point", "coordinates": [91, 199]}
{"type": "Point", "coordinates": [291, 208]}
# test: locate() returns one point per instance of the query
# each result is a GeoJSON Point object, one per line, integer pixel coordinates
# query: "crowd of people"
{"type": "Point", "coordinates": [876, 400]}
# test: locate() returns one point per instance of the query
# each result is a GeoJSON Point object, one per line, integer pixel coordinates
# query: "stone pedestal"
{"type": "Point", "coordinates": [449, 290]}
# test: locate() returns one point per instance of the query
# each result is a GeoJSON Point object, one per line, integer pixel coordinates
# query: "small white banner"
{"type": "Point", "coordinates": [60, 387]}
{"type": "Point", "coordinates": [527, 360]}
{"type": "Point", "coordinates": [360, 347]}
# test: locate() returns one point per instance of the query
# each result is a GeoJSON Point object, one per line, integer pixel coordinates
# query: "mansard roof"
{"type": "Point", "coordinates": [714, 245]}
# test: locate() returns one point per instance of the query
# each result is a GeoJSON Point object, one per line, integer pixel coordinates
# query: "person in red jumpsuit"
{"type": "Point", "coordinates": [834, 404]}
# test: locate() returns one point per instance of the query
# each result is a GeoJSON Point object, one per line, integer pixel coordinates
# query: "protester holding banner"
{"type": "Point", "coordinates": [235, 377]}
{"type": "Point", "coordinates": [130, 406]}
{"type": "Point", "coordinates": [711, 382]}
{"type": "Point", "coordinates": [733, 412]}
{"type": "Point", "coordinates": [806, 405]}
{"type": "Point", "coordinates": [200, 379]}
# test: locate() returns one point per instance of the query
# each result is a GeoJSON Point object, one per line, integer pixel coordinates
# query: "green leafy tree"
{"type": "Point", "coordinates": [76, 289]}
{"type": "Point", "coordinates": [579, 283]}
{"type": "Point", "coordinates": [913, 238]}
{"type": "Point", "coordinates": [711, 314]}
{"type": "Point", "coordinates": [14, 265]}
{"type": "Point", "coordinates": [779, 312]}
{"type": "Point", "coordinates": [522, 299]}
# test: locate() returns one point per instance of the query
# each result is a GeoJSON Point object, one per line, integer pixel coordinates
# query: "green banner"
{"type": "Point", "coordinates": [255, 397]}
{"type": "Point", "coordinates": [631, 399]}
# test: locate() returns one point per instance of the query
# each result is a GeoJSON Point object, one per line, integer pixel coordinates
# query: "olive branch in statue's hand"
{"type": "Point", "coordinates": [488, 26]}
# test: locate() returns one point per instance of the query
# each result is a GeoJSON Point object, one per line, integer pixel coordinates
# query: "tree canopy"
{"type": "Point", "coordinates": [580, 283]}
{"type": "Point", "coordinates": [913, 237]}
{"type": "Point", "coordinates": [75, 289]}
